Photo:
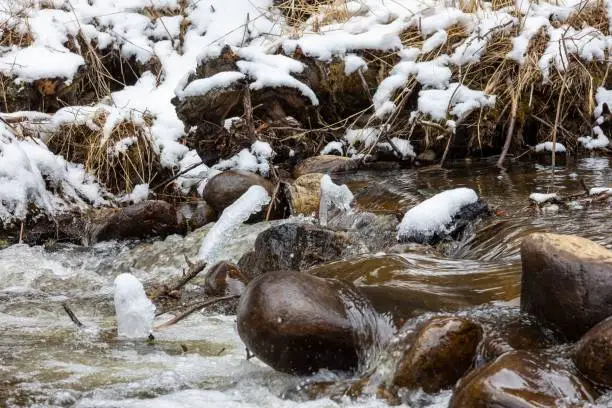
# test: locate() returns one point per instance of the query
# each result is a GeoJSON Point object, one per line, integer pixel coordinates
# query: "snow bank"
{"type": "Point", "coordinates": [252, 201]}
{"type": "Point", "coordinates": [31, 175]}
{"type": "Point", "coordinates": [133, 309]}
{"type": "Point", "coordinates": [432, 216]}
{"type": "Point", "coordinates": [333, 196]}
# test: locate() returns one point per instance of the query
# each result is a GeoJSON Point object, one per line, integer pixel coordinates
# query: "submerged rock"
{"type": "Point", "coordinates": [224, 278]}
{"type": "Point", "coordinates": [324, 164]}
{"type": "Point", "coordinates": [566, 282]}
{"type": "Point", "coordinates": [593, 355]}
{"type": "Point", "coordinates": [225, 188]}
{"type": "Point", "coordinates": [298, 323]}
{"type": "Point", "coordinates": [520, 379]}
{"type": "Point", "coordinates": [441, 352]}
{"type": "Point", "coordinates": [294, 247]}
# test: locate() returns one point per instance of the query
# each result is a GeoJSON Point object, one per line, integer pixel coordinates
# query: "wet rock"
{"type": "Point", "coordinates": [225, 188]}
{"type": "Point", "coordinates": [194, 216]}
{"type": "Point", "coordinates": [298, 323]}
{"type": "Point", "coordinates": [442, 351]}
{"type": "Point", "coordinates": [523, 333]}
{"type": "Point", "coordinates": [566, 282]}
{"type": "Point", "coordinates": [593, 355]}
{"type": "Point", "coordinates": [293, 247]}
{"type": "Point", "coordinates": [224, 278]}
{"type": "Point", "coordinates": [145, 219]}
{"type": "Point", "coordinates": [520, 379]}
{"type": "Point", "coordinates": [428, 156]}
{"type": "Point", "coordinates": [324, 164]}
{"type": "Point", "coordinates": [305, 194]}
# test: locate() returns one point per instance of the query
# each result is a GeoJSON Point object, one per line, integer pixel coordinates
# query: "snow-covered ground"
{"type": "Point", "coordinates": [181, 34]}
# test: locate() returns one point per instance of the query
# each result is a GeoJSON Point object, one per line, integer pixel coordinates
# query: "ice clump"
{"type": "Point", "coordinates": [133, 309]}
{"type": "Point", "coordinates": [249, 203]}
{"type": "Point", "coordinates": [600, 190]}
{"type": "Point", "coordinates": [333, 195]}
{"type": "Point", "coordinates": [540, 198]}
{"type": "Point", "coordinates": [548, 147]}
{"type": "Point", "coordinates": [599, 142]}
{"type": "Point", "coordinates": [433, 215]}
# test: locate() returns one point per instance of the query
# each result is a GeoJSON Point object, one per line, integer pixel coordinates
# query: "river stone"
{"type": "Point", "coordinates": [593, 355]}
{"type": "Point", "coordinates": [566, 283]}
{"type": "Point", "coordinates": [442, 351]}
{"type": "Point", "coordinates": [519, 379]}
{"type": "Point", "coordinates": [298, 323]}
{"type": "Point", "coordinates": [293, 247]}
{"type": "Point", "coordinates": [224, 278]}
{"type": "Point", "coordinates": [145, 219]}
{"type": "Point", "coordinates": [305, 194]}
{"type": "Point", "coordinates": [225, 188]}
{"type": "Point", "coordinates": [324, 164]}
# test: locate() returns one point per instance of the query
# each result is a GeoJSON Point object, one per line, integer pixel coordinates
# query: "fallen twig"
{"type": "Point", "coordinates": [193, 308]}
{"type": "Point", "coordinates": [71, 314]}
{"type": "Point", "coordinates": [194, 270]}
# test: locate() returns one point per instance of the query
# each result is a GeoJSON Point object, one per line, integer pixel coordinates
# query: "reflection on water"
{"type": "Point", "coordinates": [46, 361]}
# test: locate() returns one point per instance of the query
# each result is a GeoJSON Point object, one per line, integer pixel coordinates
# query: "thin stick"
{"type": "Point", "coordinates": [450, 138]}
{"type": "Point", "coordinates": [248, 112]}
{"type": "Point", "coordinates": [272, 201]}
{"type": "Point", "coordinates": [554, 135]}
{"type": "Point", "coordinates": [500, 162]}
{"type": "Point", "coordinates": [21, 234]}
{"type": "Point", "coordinates": [193, 308]}
{"type": "Point", "coordinates": [71, 314]}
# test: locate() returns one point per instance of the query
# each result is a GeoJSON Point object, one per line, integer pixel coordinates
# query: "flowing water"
{"type": "Point", "coordinates": [45, 360]}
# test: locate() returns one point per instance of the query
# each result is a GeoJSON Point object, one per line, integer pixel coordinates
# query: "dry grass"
{"type": "Point", "coordinates": [119, 170]}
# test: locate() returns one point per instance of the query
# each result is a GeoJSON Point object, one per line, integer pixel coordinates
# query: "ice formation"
{"type": "Point", "coordinates": [432, 216]}
{"type": "Point", "coordinates": [255, 159]}
{"type": "Point", "coordinates": [599, 142]}
{"type": "Point", "coordinates": [333, 195]}
{"type": "Point", "coordinates": [600, 190]}
{"type": "Point", "coordinates": [249, 203]}
{"type": "Point", "coordinates": [133, 309]}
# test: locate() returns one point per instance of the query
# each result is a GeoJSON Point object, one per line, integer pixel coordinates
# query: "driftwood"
{"type": "Point", "coordinates": [193, 308]}
{"type": "Point", "coordinates": [192, 272]}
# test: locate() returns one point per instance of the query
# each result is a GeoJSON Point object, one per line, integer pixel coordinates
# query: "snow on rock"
{"type": "Point", "coordinates": [361, 138]}
{"type": "Point", "coordinates": [202, 86]}
{"type": "Point", "coordinates": [333, 147]}
{"type": "Point", "coordinates": [599, 142]}
{"type": "Point", "coordinates": [548, 147]}
{"type": "Point", "coordinates": [139, 193]}
{"type": "Point", "coordinates": [252, 201]}
{"type": "Point", "coordinates": [333, 196]}
{"type": "Point", "coordinates": [405, 148]}
{"type": "Point", "coordinates": [433, 216]}
{"type": "Point", "coordinates": [540, 198]}
{"type": "Point", "coordinates": [256, 159]}
{"type": "Point", "coordinates": [600, 190]}
{"type": "Point", "coordinates": [133, 309]}
{"type": "Point", "coordinates": [31, 175]}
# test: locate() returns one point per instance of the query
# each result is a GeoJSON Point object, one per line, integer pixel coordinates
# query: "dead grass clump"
{"type": "Point", "coordinates": [313, 14]}
{"type": "Point", "coordinates": [126, 158]}
{"type": "Point", "coordinates": [591, 15]}
{"type": "Point", "coordinates": [13, 36]}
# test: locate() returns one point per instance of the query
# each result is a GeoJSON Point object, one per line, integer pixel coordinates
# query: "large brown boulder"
{"type": "Point", "coordinates": [293, 247]}
{"type": "Point", "coordinates": [324, 164]}
{"type": "Point", "coordinates": [593, 355]}
{"type": "Point", "coordinates": [145, 219]}
{"type": "Point", "coordinates": [225, 188]}
{"type": "Point", "coordinates": [566, 283]}
{"type": "Point", "coordinates": [298, 323]}
{"type": "Point", "coordinates": [442, 351]}
{"type": "Point", "coordinates": [520, 379]}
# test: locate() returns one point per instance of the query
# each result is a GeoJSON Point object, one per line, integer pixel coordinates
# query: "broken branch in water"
{"type": "Point", "coordinates": [71, 314]}
{"type": "Point", "coordinates": [193, 271]}
{"type": "Point", "coordinates": [192, 308]}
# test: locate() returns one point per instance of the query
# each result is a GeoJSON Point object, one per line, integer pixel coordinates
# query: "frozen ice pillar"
{"type": "Point", "coordinates": [333, 195]}
{"type": "Point", "coordinates": [133, 309]}
{"type": "Point", "coordinates": [250, 202]}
